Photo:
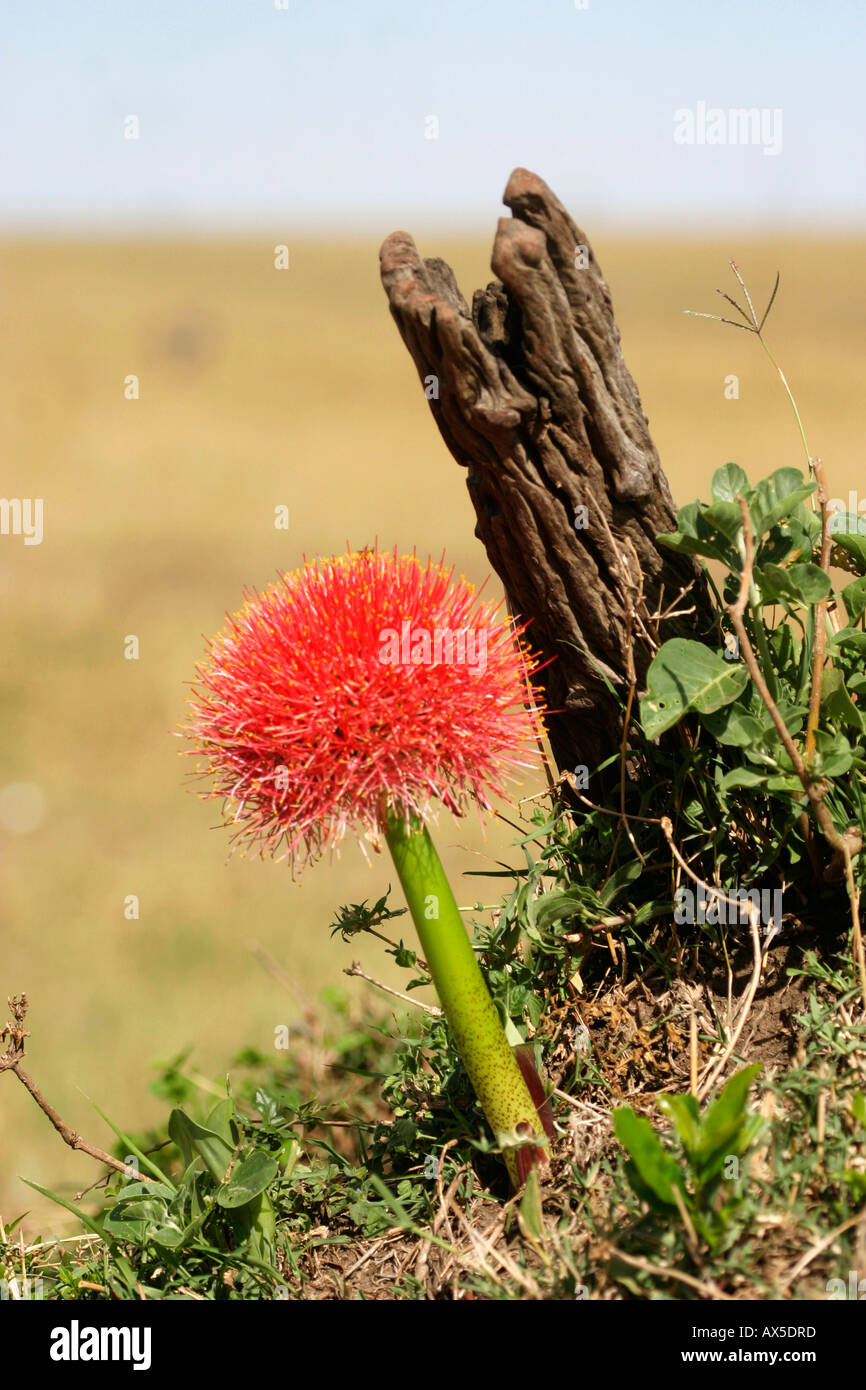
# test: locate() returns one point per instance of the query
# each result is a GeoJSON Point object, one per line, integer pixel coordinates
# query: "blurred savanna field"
{"type": "Point", "coordinates": [260, 388]}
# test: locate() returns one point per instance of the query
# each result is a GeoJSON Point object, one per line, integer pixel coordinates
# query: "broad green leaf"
{"type": "Point", "coordinates": [695, 535]}
{"type": "Point", "coordinates": [742, 777]}
{"type": "Point", "coordinates": [805, 528]}
{"type": "Point", "coordinates": [836, 700]}
{"type": "Point", "coordinates": [195, 1139]}
{"type": "Point", "coordinates": [778, 545]}
{"type": "Point", "coordinates": [686, 1115]}
{"type": "Point", "coordinates": [266, 1227]}
{"type": "Point", "coordinates": [729, 482]}
{"type": "Point", "coordinates": [656, 1168]}
{"type": "Point", "coordinates": [220, 1120]}
{"type": "Point", "coordinates": [248, 1179]}
{"type": "Point", "coordinates": [170, 1236]}
{"type": "Point", "coordinates": [134, 1191]}
{"type": "Point", "coordinates": [833, 755]}
{"type": "Point", "coordinates": [133, 1220]}
{"type": "Point", "coordinates": [848, 637]}
{"type": "Point", "coordinates": [687, 675]}
{"type": "Point", "coordinates": [724, 518]}
{"type": "Point", "coordinates": [792, 718]}
{"type": "Point", "coordinates": [657, 907]}
{"type": "Point", "coordinates": [776, 497]}
{"type": "Point", "coordinates": [576, 901]}
{"type": "Point", "coordinates": [733, 1139]}
{"type": "Point", "coordinates": [733, 1098]}
{"type": "Point", "coordinates": [734, 726]}
{"type": "Point", "coordinates": [848, 530]}
{"type": "Point", "coordinates": [785, 785]}
{"type": "Point", "coordinates": [803, 583]}
{"type": "Point", "coordinates": [621, 878]}
{"type": "Point", "coordinates": [729, 1114]}
{"type": "Point", "coordinates": [854, 599]}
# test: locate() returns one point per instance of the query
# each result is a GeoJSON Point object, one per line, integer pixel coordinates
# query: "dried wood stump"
{"type": "Point", "coordinates": [536, 402]}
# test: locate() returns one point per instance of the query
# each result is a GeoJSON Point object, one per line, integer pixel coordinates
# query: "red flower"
{"type": "Point", "coordinates": [355, 683]}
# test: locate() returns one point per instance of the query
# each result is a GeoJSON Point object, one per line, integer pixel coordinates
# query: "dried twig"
{"type": "Point", "coordinates": [11, 1059]}
{"type": "Point", "coordinates": [819, 647]}
{"type": "Point", "coordinates": [714, 1069]}
{"type": "Point", "coordinates": [355, 969]}
{"type": "Point", "coordinates": [661, 1272]}
{"type": "Point", "coordinates": [817, 1249]}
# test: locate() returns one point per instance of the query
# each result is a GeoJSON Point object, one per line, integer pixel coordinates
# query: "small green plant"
{"type": "Point", "coordinates": [217, 1219]}
{"type": "Point", "coordinates": [693, 1183]}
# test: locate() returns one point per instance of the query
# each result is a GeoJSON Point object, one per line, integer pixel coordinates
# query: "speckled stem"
{"type": "Point", "coordinates": [469, 1009]}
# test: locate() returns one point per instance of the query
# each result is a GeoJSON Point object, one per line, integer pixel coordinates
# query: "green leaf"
{"type": "Point", "coordinates": [391, 1202]}
{"type": "Point", "coordinates": [728, 483]}
{"type": "Point", "coordinates": [686, 1115]}
{"type": "Point", "coordinates": [742, 777]}
{"type": "Point", "coordinates": [833, 755]}
{"type": "Point", "coordinates": [856, 1180]}
{"type": "Point", "coordinates": [86, 1221]}
{"type": "Point", "coordinates": [171, 1236]}
{"type": "Point", "coordinates": [696, 536]}
{"type": "Point", "coordinates": [620, 879]}
{"type": "Point", "coordinates": [725, 519]}
{"type": "Point", "coordinates": [734, 727]}
{"type": "Point", "coordinates": [687, 675]}
{"type": "Point", "coordinates": [849, 637]}
{"type": "Point", "coordinates": [656, 907]}
{"type": "Point", "coordinates": [133, 1220]}
{"type": "Point", "coordinates": [531, 1215]}
{"type": "Point", "coordinates": [854, 599]}
{"type": "Point", "coordinates": [220, 1121]}
{"type": "Point", "coordinates": [786, 644]}
{"type": "Point", "coordinates": [836, 701]}
{"type": "Point", "coordinates": [249, 1178]}
{"type": "Point", "coordinates": [265, 1228]}
{"type": "Point", "coordinates": [792, 718]}
{"type": "Point", "coordinates": [195, 1139]}
{"type": "Point", "coordinates": [657, 1169]}
{"type": "Point", "coordinates": [729, 1111]}
{"type": "Point", "coordinates": [848, 530]}
{"type": "Point", "coordinates": [803, 583]}
{"type": "Point", "coordinates": [776, 497]}
{"type": "Point", "coordinates": [145, 1164]}
{"type": "Point", "coordinates": [577, 901]}
{"type": "Point", "coordinates": [785, 785]}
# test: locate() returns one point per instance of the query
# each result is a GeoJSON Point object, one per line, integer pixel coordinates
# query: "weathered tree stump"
{"type": "Point", "coordinates": [535, 400]}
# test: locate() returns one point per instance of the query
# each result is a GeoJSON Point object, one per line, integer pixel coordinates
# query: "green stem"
{"type": "Point", "coordinates": [764, 649]}
{"type": "Point", "coordinates": [790, 393]}
{"type": "Point", "coordinates": [463, 994]}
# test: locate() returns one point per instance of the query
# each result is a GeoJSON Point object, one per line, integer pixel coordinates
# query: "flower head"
{"type": "Point", "coordinates": [355, 684]}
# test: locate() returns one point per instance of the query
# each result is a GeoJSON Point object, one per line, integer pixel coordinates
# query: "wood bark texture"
{"type": "Point", "coordinates": [536, 402]}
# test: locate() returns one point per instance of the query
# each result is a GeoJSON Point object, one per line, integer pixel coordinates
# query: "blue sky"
{"type": "Point", "coordinates": [316, 114]}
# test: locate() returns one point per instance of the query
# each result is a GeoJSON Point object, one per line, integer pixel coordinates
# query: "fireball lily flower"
{"type": "Point", "coordinates": [355, 693]}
